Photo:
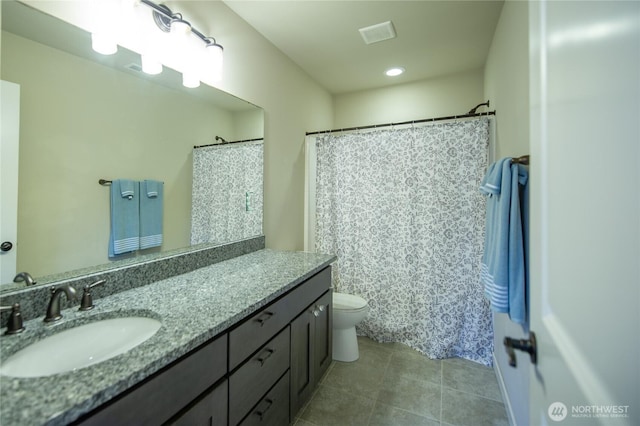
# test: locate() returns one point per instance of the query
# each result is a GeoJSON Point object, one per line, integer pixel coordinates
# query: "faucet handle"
{"type": "Point", "coordinates": [14, 324]}
{"type": "Point", "coordinates": [86, 304]}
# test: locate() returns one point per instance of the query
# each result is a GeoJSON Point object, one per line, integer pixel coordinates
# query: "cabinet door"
{"type": "Point", "coordinates": [323, 339]}
{"type": "Point", "coordinates": [209, 410]}
{"type": "Point", "coordinates": [302, 375]}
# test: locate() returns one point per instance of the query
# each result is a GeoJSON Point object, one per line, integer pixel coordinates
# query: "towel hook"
{"type": "Point", "coordinates": [104, 182]}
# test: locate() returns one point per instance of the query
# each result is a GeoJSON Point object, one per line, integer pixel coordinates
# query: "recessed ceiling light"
{"type": "Point", "coordinates": [392, 72]}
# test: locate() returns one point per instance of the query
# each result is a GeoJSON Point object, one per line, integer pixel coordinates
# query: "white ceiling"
{"type": "Point", "coordinates": [434, 38]}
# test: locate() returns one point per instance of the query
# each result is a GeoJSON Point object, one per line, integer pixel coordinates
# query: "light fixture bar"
{"type": "Point", "coordinates": [163, 16]}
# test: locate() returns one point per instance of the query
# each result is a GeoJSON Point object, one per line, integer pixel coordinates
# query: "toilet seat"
{"type": "Point", "coordinates": [348, 302]}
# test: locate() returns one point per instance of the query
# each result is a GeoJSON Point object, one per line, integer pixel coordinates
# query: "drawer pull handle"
{"type": "Point", "coordinates": [264, 358]}
{"type": "Point", "coordinates": [261, 413]}
{"type": "Point", "coordinates": [264, 317]}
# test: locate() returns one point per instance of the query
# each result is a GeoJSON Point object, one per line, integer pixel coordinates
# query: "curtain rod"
{"type": "Point", "coordinates": [227, 143]}
{"type": "Point", "coordinates": [425, 120]}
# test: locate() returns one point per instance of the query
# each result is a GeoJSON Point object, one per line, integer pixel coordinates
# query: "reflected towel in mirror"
{"type": "Point", "coordinates": [125, 217]}
{"type": "Point", "coordinates": [151, 204]}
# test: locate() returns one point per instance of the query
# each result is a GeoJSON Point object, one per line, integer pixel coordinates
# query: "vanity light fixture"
{"type": "Point", "coordinates": [176, 25]}
{"type": "Point", "coordinates": [203, 56]}
{"type": "Point", "coordinates": [393, 72]}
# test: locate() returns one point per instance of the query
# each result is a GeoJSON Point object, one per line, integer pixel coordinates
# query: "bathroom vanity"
{"type": "Point", "coordinates": [242, 341]}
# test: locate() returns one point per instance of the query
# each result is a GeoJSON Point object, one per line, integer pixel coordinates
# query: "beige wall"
{"type": "Point", "coordinates": [506, 83]}
{"type": "Point", "coordinates": [81, 121]}
{"type": "Point", "coordinates": [450, 95]}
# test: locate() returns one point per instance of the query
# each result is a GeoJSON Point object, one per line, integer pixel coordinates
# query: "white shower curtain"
{"type": "Point", "coordinates": [402, 211]}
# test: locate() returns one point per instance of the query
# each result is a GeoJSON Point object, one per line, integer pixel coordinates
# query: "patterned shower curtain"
{"type": "Point", "coordinates": [402, 211]}
{"type": "Point", "coordinates": [226, 196]}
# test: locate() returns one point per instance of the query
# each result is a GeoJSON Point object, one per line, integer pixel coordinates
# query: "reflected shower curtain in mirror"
{"type": "Point", "coordinates": [226, 196]}
{"type": "Point", "coordinates": [402, 211]}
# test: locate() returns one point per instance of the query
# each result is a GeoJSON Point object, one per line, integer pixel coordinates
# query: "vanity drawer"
{"type": "Point", "coordinates": [259, 328]}
{"type": "Point", "coordinates": [163, 395]}
{"type": "Point", "coordinates": [256, 376]}
{"type": "Point", "coordinates": [273, 409]}
{"type": "Point", "coordinates": [209, 410]}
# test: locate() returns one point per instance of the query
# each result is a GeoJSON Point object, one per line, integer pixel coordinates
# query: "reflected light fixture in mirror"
{"type": "Point", "coordinates": [215, 59]}
{"type": "Point", "coordinates": [180, 29]}
{"type": "Point", "coordinates": [196, 52]}
{"type": "Point", "coordinates": [150, 65]}
{"type": "Point", "coordinates": [103, 44]}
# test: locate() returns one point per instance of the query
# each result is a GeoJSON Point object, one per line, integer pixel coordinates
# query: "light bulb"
{"type": "Point", "coordinates": [180, 28]}
{"type": "Point", "coordinates": [190, 80]}
{"type": "Point", "coordinates": [215, 58]}
{"type": "Point", "coordinates": [150, 65]}
{"type": "Point", "coordinates": [103, 44]}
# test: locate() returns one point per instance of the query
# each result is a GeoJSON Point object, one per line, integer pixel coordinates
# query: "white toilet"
{"type": "Point", "coordinates": [348, 310]}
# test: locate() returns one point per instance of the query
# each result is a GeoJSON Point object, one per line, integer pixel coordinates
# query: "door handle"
{"type": "Point", "coordinates": [526, 345]}
{"type": "Point", "coordinates": [6, 246]}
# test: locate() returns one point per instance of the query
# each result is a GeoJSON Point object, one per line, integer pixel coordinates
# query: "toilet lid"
{"type": "Point", "coordinates": [348, 301]}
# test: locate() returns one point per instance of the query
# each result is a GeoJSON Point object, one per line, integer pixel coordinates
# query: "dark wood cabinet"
{"type": "Point", "coordinates": [158, 399]}
{"type": "Point", "coordinates": [249, 383]}
{"type": "Point", "coordinates": [260, 371]}
{"type": "Point", "coordinates": [323, 339]}
{"type": "Point", "coordinates": [273, 409]}
{"type": "Point", "coordinates": [208, 410]}
{"type": "Point", "coordinates": [311, 348]}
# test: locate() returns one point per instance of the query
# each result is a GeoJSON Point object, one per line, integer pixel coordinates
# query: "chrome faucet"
{"type": "Point", "coordinates": [24, 276]}
{"type": "Point", "coordinates": [53, 311]}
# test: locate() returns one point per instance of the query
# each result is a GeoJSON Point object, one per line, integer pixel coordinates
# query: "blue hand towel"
{"type": "Point", "coordinates": [125, 217]}
{"type": "Point", "coordinates": [127, 188]}
{"type": "Point", "coordinates": [151, 202]}
{"type": "Point", "coordinates": [503, 262]}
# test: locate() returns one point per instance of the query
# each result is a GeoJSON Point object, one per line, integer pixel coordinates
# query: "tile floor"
{"type": "Point", "coordinates": [391, 384]}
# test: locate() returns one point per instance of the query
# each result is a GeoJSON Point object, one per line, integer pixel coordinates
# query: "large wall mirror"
{"type": "Point", "coordinates": [85, 117]}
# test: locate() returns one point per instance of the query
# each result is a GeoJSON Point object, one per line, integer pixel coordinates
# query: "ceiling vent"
{"type": "Point", "coordinates": [378, 32]}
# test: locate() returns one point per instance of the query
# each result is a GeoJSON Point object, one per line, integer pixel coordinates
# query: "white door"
{"type": "Point", "coordinates": [585, 212]}
{"type": "Point", "coordinates": [10, 127]}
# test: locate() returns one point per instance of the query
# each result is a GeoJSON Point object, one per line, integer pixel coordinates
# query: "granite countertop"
{"type": "Point", "coordinates": [193, 308]}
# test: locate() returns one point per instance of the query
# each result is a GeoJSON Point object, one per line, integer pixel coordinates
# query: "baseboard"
{"type": "Point", "coordinates": [503, 391]}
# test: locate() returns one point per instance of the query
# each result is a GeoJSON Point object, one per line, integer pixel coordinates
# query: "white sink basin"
{"type": "Point", "coordinates": [80, 347]}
